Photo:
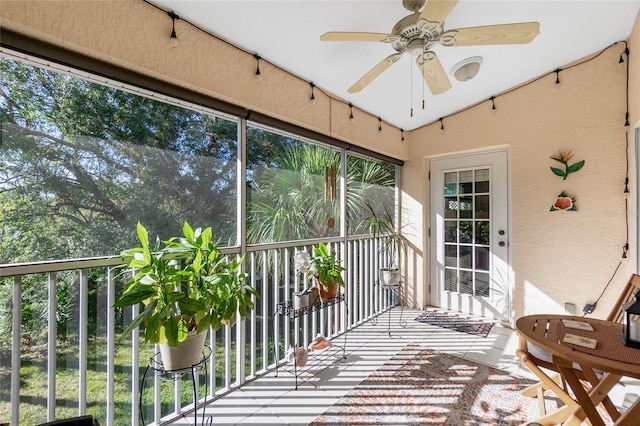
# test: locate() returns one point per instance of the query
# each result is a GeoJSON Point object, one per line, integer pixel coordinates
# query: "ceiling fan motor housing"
{"type": "Point", "coordinates": [411, 33]}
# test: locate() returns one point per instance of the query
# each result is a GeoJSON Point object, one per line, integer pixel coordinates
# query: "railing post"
{"type": "Point", "coordinates": [16, 326]}
{"type": "Point", "coordinates": [135, 371]}
{"type": "Point", "coordinates": [111, 319]}
{"type": "Point", "coordinates": [52, 332]}
{"type": "Point", "coordinates": [83, 342]}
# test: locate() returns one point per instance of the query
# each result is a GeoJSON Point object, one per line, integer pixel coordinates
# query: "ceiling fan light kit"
{"type": "Point", "coordinates": [466, 69]}
{"type": "Point", "coordinates": [418, 32]}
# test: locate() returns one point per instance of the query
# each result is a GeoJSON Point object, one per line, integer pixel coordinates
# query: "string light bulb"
{"type": "Point", "coordinates": [173, 37]}
{"type": "Point", "coordinates": [258, 75]}
{"type": "Point", "coordinates": [441, 124]}
{"type": "Point", "coordinates": [379, 124]}
{"type": "Point", "coordinates": [626, 187]}
{"type": "Point", "coordinates": [557, 75]}
{"type": "Point", "coordinates": [402, 134]}
{"type": "Point", "coordinates": [313, 96]}
{"type": "Point", "coordinates": [350, 111]}
{"type": "Point", "coordinates": [493, 104]}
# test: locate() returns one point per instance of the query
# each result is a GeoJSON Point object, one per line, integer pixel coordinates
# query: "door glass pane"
{"type": "Point", "coordinates": [482, 284]}
{"type": "Point", "coordinates": [467, 248]}
{"type": "Point", "coordinates": [482, 207]}
{"type": "Point", "coordinates": [466, 182]}
{"type": "Point", "coordinates": [465, 257]}
{"type": "Point", "coordinates": [466, 207]}
{"type": "Point", "coordinates": [451, 207]}
{"type": "Point", "coordinates": [482, 232]}
{"type": "Point", "coordinates": [466, 231]}
{"type": "Point", "coordinates": [451, 255]}
{"type": "Point", "coordinates": [450, 280]}
{"type": "Point", "coordinates": [451, 231]}
{"type": "Point", "coordinates": [482, 258]}
{"type": "Point", "coordinates": [482, 180]}
{"type": "Point", "coordinates": [451, 183]}
{"type": "Point", "coordinates": [466, 282]}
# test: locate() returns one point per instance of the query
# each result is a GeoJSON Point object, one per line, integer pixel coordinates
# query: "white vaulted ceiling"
{"type": "Point", "coordinates": [287, 34]}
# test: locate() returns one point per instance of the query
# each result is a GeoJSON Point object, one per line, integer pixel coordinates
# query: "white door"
{"type": "Point", "coordinates": [469, 234]}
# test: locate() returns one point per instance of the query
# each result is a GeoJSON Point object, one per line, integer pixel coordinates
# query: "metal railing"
{"type": "Point", "coordinates": [104, 368]}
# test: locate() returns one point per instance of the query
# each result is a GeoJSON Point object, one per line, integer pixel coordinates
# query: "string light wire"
{"type": "Point", "coordinates": [351, 106]}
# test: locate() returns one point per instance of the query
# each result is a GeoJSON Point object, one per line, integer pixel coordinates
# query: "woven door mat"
{"type": "Point", "coordinates": [455, 322]}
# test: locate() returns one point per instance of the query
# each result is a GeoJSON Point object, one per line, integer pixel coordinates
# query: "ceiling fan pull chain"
{"type": "Point", "coordinates": [411, 87]}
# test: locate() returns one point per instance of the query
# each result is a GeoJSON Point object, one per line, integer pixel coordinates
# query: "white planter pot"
{"type": "Point", "coordinates": [389, 277]}
{"type": "Point", "coordinates": [300, 301]}
{"type": "Point", "coordinates": [187, 353]}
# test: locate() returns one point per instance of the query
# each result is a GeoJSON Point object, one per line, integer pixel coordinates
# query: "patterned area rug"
{"type": "Point", "coordinates": [455, 322]}
{"type": "Point", "coordinates": [426, 387]}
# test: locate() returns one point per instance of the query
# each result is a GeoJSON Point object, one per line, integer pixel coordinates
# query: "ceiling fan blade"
{"type": "Point", "coordinates": [433, 72]}
{"type": "Point", "coordinates": [521, 33]}
{"type": "Point", "coordinates": [437, 10]}
{"type": "Point", "coordinates": [374, 72]}
{"type": "Point", "coordinates": [351, 36]}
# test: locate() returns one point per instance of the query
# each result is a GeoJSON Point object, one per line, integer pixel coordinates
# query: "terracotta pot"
{"type": "Point", "coordinates": [330, 293]}
{"type": "Point", "coordinates": [187, 353]}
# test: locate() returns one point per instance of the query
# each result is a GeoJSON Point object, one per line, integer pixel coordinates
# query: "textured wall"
{"type": "Point", "coordinates": [557, 257]}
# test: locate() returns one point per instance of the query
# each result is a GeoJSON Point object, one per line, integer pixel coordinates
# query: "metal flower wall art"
{"type": "Point", "coordinates": [564, 157]}
{"type": "Point", "coordinates": [563, 201]}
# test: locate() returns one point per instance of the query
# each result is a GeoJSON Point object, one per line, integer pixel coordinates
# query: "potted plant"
{"type": "Point", "coordinates": [383, 226]}
{"type": "Point", "coordinates": [187, 286]}
{"type": "Point", "coordinates": [324, 267]}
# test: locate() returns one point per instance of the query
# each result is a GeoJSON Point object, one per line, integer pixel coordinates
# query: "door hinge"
{"type": "Point", "coordinates": [429, 232]}
{"type": "Point", "coordinates": [429, 175]}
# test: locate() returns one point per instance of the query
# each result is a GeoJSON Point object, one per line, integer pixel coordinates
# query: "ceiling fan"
{"type": "Point", "coordinates": [420, 31]}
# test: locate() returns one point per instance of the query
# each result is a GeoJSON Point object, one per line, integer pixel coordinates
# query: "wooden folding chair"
{"type": "Point", "coordinates": [535, 360]}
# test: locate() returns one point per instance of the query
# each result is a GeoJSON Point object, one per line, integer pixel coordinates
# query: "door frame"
{"type": "Point", "coordinates": [433, 284]}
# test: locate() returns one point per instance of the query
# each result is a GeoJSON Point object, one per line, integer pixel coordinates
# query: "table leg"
{"type": "Point", "coordinates": [582, 396]}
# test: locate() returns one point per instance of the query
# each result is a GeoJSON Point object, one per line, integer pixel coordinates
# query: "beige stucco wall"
{"type": "Point", "coordinates": [556, 257]}
{"type": "Point", "coordinates": [134, 34]}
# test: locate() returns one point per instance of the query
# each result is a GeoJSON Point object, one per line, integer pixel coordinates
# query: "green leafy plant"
{"type": "Point", "coordinates": [185, 284]}
{"type": "Point", "coordinates": [322, 265]}
{"type": "Point", "coordinates": [382, 225]}
{"type": "Point", "coordinates": [564, 157]}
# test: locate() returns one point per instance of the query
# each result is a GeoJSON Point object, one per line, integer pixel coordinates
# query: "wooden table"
{"type": "Point", "coordinates": [603, 367]}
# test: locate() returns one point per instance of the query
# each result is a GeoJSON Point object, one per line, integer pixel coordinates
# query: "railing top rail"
{"type": "Point", "coordinates": [11, 269]}
{"type": "Point", "coordinates": [47, 266]}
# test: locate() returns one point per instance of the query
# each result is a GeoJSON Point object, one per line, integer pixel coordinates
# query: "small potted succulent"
{"type": "Point", "coordinates": [186, 286]}
{"type": "Point", "coordinates": [322, 266]}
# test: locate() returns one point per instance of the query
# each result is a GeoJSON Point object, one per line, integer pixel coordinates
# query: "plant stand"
{"type": "Point", "coordinates": [155, 364]}
{"type": "Point", "coordinates": [399, 292]}
{"type": "Point", "coordinates": [316, 357]}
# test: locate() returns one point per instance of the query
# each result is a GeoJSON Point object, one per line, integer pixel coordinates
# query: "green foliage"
{"type": "Point", "coordinates": [185, 285]}
{"type": "Point", "coordinates": [327, 266]}
{"type": "Point", "coordinates": [322, 265]}
{"type": "Point", "coordinates": [382, 225]}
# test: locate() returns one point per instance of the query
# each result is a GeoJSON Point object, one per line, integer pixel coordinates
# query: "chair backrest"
{"type": "Point", "coordinates": [632, 286]}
